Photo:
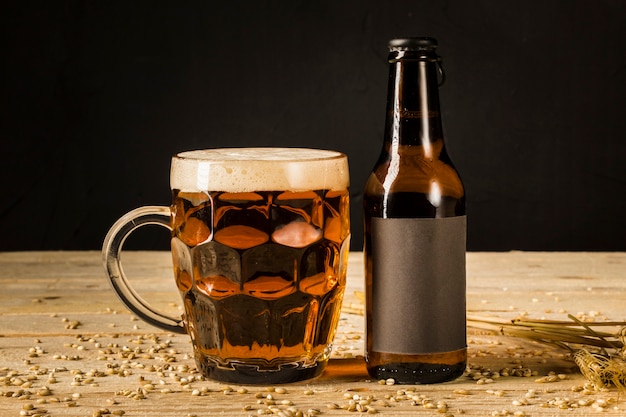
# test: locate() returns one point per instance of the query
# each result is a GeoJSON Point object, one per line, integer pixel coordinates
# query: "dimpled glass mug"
{"type": "Point", "coordinates": [260, 240]}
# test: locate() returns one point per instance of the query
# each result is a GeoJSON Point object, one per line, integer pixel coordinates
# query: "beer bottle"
{"type": "Point", "coordinates": [415, 228]}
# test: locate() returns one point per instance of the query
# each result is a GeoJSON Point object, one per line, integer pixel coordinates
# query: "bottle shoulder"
{"type": "Point", "coordinates": [413, 174]}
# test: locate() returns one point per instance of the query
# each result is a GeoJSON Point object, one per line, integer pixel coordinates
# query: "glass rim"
{"type": "Point", "coordinates": [259, 154]}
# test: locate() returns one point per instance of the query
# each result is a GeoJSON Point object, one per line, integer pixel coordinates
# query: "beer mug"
{"type": "Point", "coordinates": [259, 241]}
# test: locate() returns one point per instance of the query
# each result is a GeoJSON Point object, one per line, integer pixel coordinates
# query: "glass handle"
{"type": "Point", "coordinates": [111, 257]}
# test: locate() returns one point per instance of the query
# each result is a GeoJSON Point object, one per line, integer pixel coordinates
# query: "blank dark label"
{"type": "Point", "coordinates": [418, 294]}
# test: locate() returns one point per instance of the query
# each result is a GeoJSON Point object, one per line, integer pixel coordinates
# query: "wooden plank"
{"type": "Point", "coordinates": [58, 316]}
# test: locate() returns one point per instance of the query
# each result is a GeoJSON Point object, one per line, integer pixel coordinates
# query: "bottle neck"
{"type": "Point", "coordinates": [413, 114]}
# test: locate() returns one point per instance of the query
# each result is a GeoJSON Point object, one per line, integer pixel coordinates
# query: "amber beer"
{"type": "Point", "coordinates": [260, 243]}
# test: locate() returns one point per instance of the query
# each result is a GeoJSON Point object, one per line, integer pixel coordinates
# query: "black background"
{"type": "Point", "coordinates": [97, 96]}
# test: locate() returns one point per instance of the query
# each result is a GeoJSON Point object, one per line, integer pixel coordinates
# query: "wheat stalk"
{"type": "Point", "coordinates": [600, 354]}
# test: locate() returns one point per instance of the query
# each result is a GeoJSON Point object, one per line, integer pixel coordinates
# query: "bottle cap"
{"type": "Point", "coordinates": [416, 43]}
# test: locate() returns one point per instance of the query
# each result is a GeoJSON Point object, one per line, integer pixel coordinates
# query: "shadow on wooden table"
{"type": "Point", "coordinates": [344, 370]}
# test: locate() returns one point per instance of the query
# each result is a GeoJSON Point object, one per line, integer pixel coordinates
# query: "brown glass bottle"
{"type": "Point", "coordinates": [414, 211]}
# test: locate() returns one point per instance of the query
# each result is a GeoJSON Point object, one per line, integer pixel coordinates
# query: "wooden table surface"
{"type": "Point", "coordinates": [68, 347]}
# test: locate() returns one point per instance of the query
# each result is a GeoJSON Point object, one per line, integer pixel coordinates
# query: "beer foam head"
{"type": "Point", "coordinates": [259, 169]}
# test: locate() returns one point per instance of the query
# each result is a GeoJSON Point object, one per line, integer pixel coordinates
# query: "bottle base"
{"type": "Point", "coordinates": [417, 373]}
